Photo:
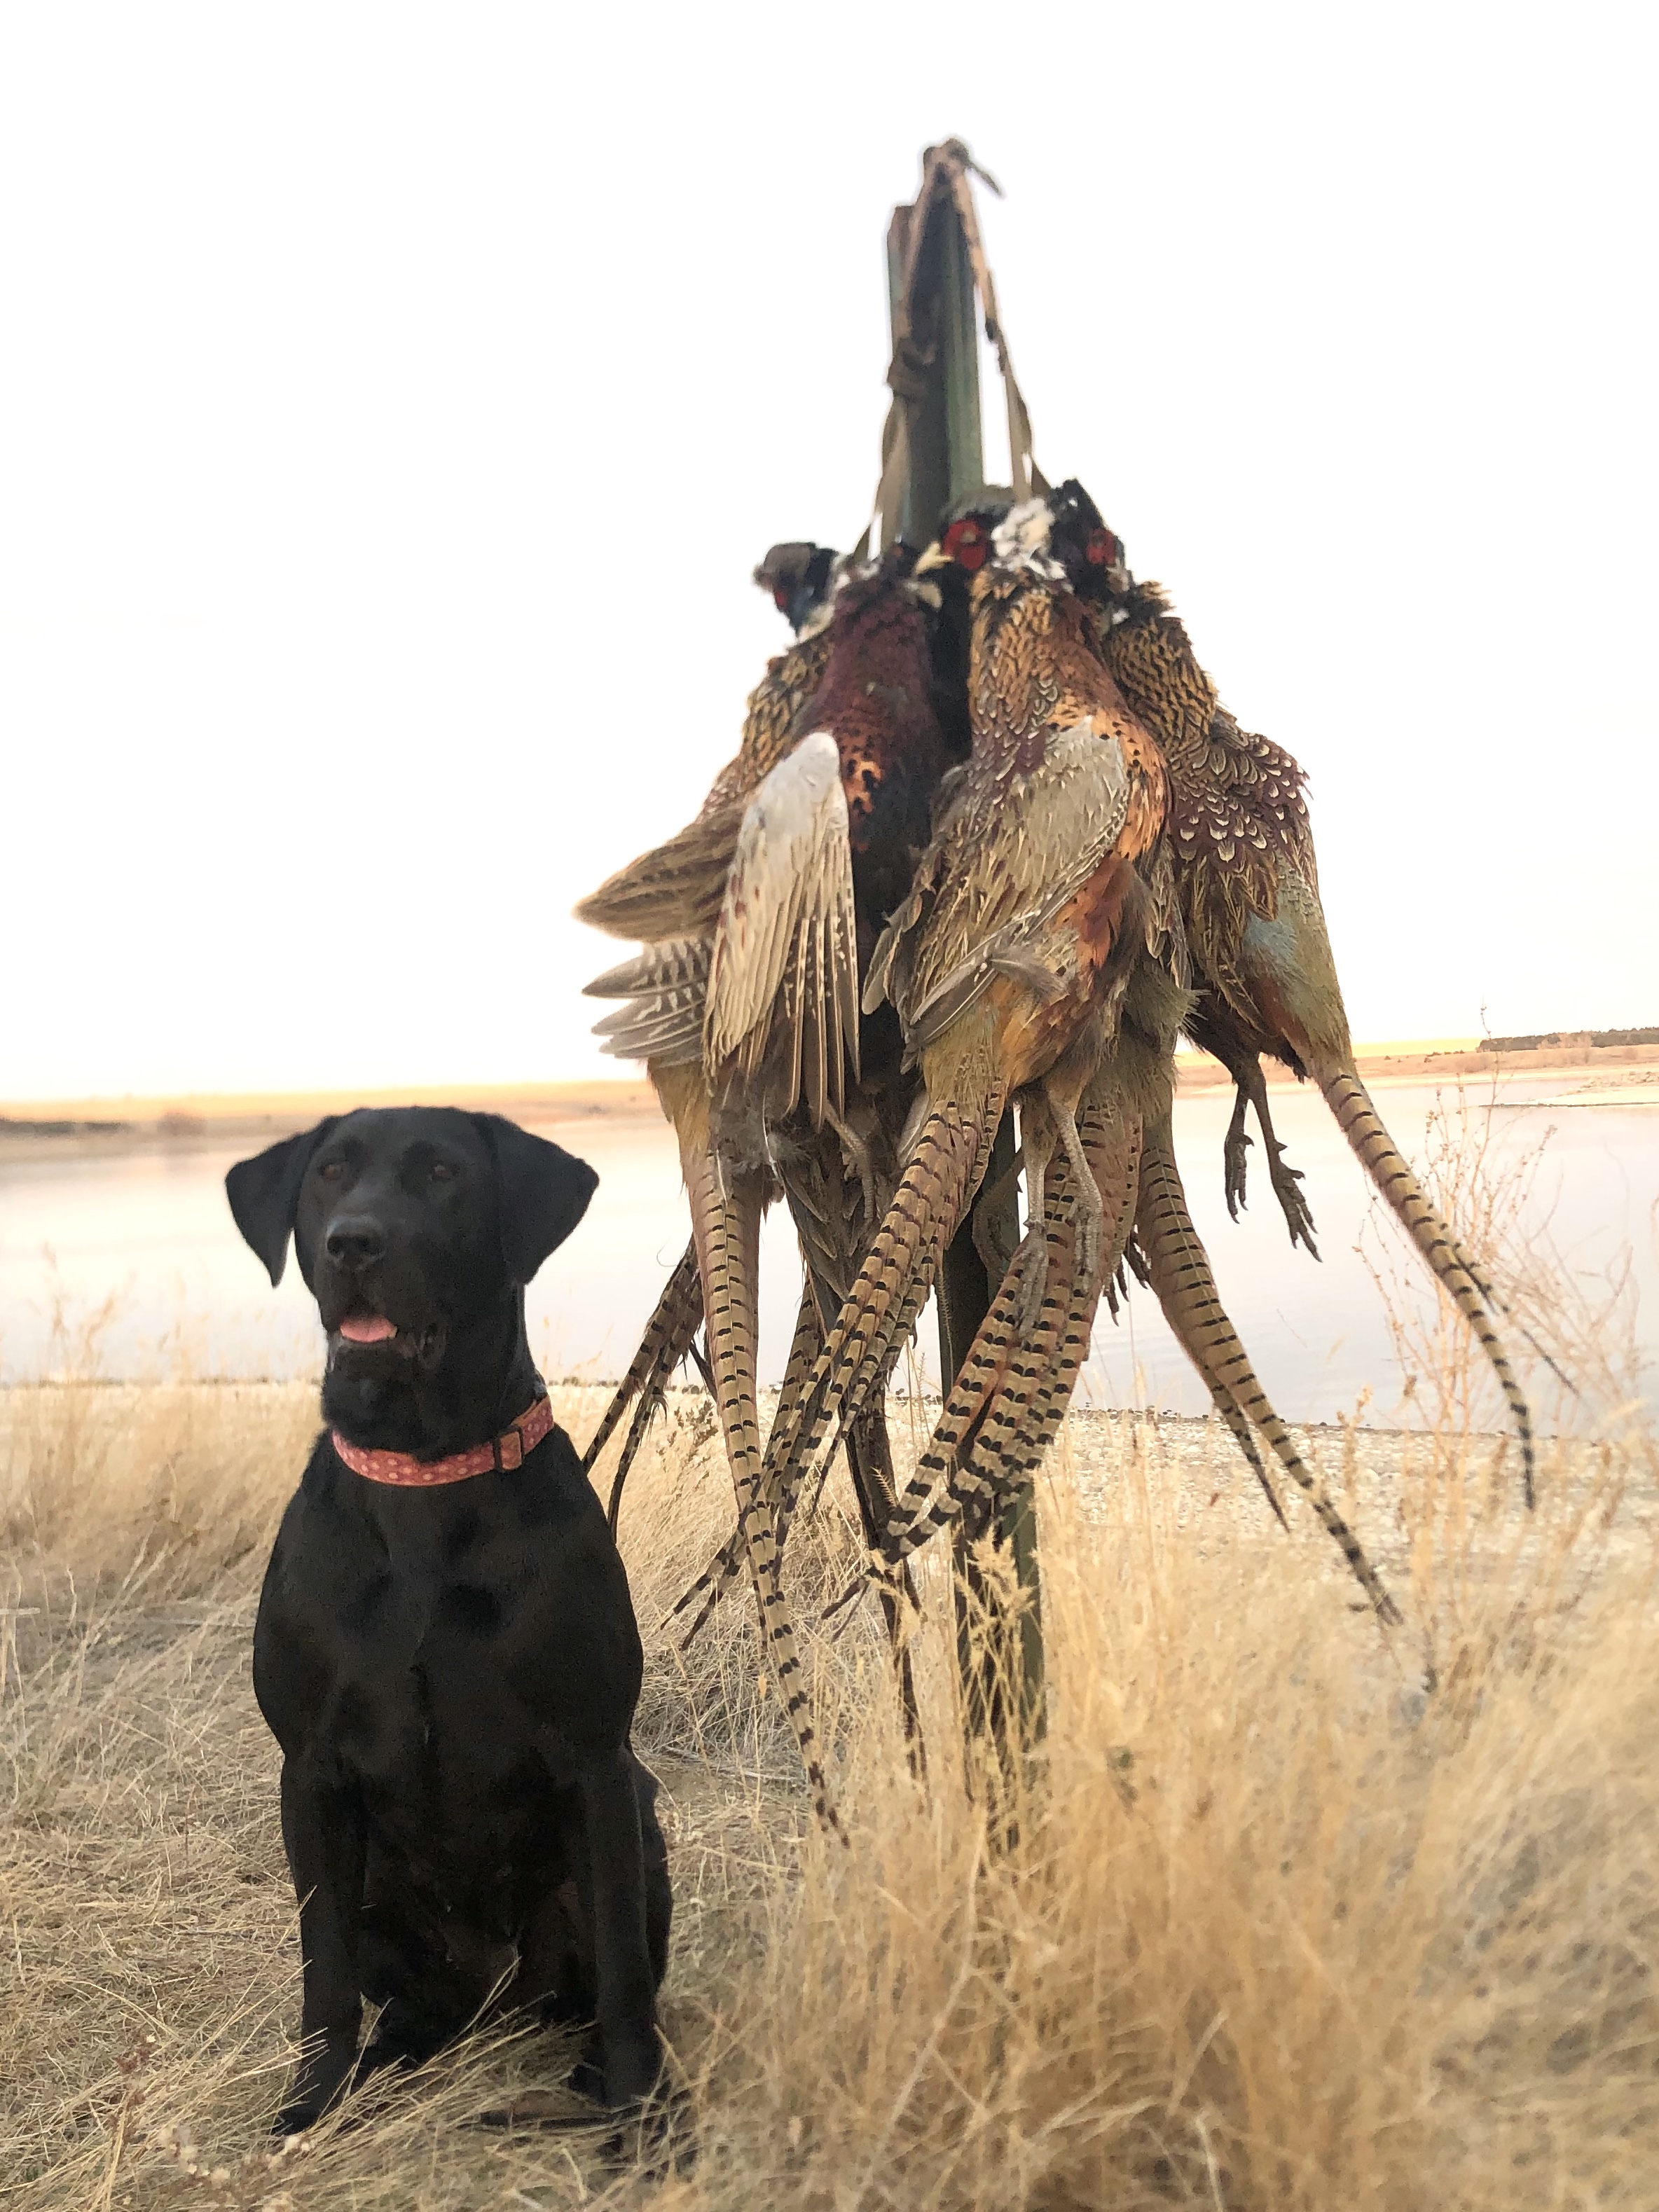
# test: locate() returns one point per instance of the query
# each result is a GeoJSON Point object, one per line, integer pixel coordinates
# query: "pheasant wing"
{"type": "Point", "coordinates": [673, 891]}
{"type": "Point", "coordinates": [667, 985]}
{"type": "Point", "coordinates": [783, 972]}
{"type": "Point", "coordinates": [1016, 853]}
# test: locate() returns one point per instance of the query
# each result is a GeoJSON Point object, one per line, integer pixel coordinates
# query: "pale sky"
{"type": "Point", "coordinates": [393, 401]}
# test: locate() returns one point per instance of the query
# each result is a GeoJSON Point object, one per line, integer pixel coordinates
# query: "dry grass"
{"type": "Point", "coordinates": [1282, 1929]}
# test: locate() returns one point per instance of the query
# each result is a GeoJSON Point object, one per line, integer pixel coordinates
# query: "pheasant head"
{"type": "Point", "coordinates": [1025, 575]}
{"type": "Point", "coordinates": [1060, 539]}
{"type": "Point", "coordinates": [969, 523]}
{"type": "Point", "coordinates": [801, 577]}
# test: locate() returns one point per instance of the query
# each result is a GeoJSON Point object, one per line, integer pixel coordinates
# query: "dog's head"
{"type": "Point", "coordinates": [417, 1229]}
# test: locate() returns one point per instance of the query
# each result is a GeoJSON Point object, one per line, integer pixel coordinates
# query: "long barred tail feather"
{"type": "Point", "coordinates": [1111, 1137]}
{"type": "Point", "coordinates": [1180, 1277]}
{"type": "Point", "coordinates": [1244, 1436]}
{"type": "Point", "coordinates": [783, 1485]}
{"type": "Point", "coordinates": [870, 1466]}
{"type": "Point", "coordinates": [995, 1461]}
{"type": "Point", "coordinates": [804, 1348]}
{"type": "Point", "coordinates": [683, 1345]}
{"type": "Point", "coordinates": [711, 1585]}
{"type": "Point", "coordinates": [650, 1367]}
{"type": "Point", "coordinates": [1483, 1283]}
{"type": "Point", "coordinates": [919, 1513]}
{"type": "Point", "coordinates": [728, 1230]}
{"type": "Point", "coordinates": [1362, 1126]}
{"type": "Point", "coordinates": [670, 1337]}
{"type": "Point", "coordinates": [1197, 1351]}
{"type": "Point", "coordinates": [780, 1485]}
{"type": "Point", "coordinates": [935, 1190]}
{"type": "Point", "coordinates": [821, 1454]}
{"type": "Point", "coordinates": [977, 1454]}
{"type": "Point", "coordinates": [726, 1565]}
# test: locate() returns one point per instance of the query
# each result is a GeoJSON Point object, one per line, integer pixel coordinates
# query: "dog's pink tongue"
{"type": "Point", "coordinates": [366, 1329]}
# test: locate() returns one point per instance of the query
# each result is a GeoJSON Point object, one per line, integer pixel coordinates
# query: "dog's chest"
{"type": "Point", "coordinates": [450, 1661]}
{"type": "Point", "coordinates": [455, 1774]}
{"type": "Point", "coordinates": [423, 1690]}
{"type": "Point", "coordinates": [415, 1654]}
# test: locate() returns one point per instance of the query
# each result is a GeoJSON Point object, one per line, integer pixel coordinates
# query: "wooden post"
{"type": "Point", "coordinates": [936, 381]}
{"type": "Point", "coordinates": [939, 358]}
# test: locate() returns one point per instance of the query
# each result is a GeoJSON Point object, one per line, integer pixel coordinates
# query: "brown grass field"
{"type": "Point", "coordinates": [1283, 1927]}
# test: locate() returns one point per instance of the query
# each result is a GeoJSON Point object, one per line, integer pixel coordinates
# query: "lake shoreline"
{"type": "Point", "coordinates": [1198, 1439]}
{"type": "Point", "coordinates": [580, 1400]}
{"type": "Point", "coordinates": [73, 1129]}
{"type": "Point", "coordinates": [121, 1259]}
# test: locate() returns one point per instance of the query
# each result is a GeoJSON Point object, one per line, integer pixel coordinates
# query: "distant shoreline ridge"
{"type": "Point", "coordinates": [183, 1116]}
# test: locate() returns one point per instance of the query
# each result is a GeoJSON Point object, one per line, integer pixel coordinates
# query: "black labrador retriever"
{"type": "Point", "coordinates": [445, 1648]}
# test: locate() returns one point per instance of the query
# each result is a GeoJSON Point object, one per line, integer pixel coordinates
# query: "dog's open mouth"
{"type": "Point", "coordinates": [362, 1327]}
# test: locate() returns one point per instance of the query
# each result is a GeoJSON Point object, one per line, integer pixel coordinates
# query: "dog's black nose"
{"type": "Point", "coordinates": [356, 1241]}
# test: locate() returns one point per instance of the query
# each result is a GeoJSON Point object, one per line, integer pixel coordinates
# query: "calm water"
{"type": "Point", "coordinates": [133, 1261]}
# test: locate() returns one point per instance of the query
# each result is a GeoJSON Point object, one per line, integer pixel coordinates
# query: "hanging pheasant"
{"type": "Point", "coordinates": [837, 1179]}
{"type": "Point", "coordinates": [767, 850]}
{"type": "Point", "coordinates": [1020, 1372]}
{"type": "Point", "coordinates": [1249, 895]}
{"type": "Point", "coordinates": [750, 1027]}
{"type": "Point", "coordinates": [839, 1196]}
{"type": "Point", "coordinates": [798, 576]}
{"type": "Point", "coordinates": [1006, 961]}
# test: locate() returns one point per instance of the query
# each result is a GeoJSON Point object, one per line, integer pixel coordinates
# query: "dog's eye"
{"type": "Point", "coordinates": [332, 1170]}
{"type": "Point", "coordinates": [441, 1171]}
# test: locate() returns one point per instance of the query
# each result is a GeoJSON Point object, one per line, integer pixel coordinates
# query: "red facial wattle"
{"type": "Point", "coordinates": [1102, 550]}
{"type": "Point", "coordinates": [966, 543]}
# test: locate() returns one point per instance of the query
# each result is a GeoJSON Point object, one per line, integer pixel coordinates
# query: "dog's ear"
{"type": "Point", "coordinates": [544, 1190]}
{"type": "Point", "coordinates": [265, 1194]}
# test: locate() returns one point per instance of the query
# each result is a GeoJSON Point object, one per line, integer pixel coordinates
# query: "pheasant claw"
{"type": "Point", "coordinates": [1234, 1164]}
{"type": "Point", "coordinates": [1293, 1204]}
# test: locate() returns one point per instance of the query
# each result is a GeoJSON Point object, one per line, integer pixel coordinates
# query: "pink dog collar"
{"type": "Point", "coordinates": [502, 1454]}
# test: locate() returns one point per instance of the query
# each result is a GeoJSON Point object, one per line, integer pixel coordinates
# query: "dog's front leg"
{"type": "Point", "coordinates": [627, 1990]}
{"type": "Point", "coordinates": [323, 1833]}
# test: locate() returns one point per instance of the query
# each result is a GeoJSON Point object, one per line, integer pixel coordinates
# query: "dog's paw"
{"type": "Point", "coordinates": [654, 2136]}
{"type": "Point", "coordinates": [633, 2068]}
{"type": "Point", "coordinates": [324, 2074]}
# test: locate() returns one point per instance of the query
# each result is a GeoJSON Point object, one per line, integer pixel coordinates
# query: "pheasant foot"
{"type": "Point", "coordinates": [1088, 1212]}
{"type": "Point", "coordinates": [1032, 1254]}
{"type": "Point", "coordinates": [1234, 1165]}
{"type": "Point", "coordinates": [1286, 1181]}
{"type": "Point", "coordinates": [858, 1153]}
{"type": "Point", "coordinates": [1292, 1200]}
